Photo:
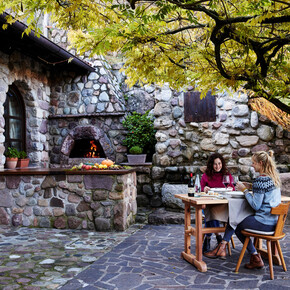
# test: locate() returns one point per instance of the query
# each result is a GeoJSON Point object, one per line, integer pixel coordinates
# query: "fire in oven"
{"type": "Point", "coordinates": [87, 148]}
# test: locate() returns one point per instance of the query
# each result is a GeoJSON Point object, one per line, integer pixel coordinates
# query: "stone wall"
{"type": "Point", "coordinates": [93, 202]}
{"type": "Point", "coordinates": [97, 92]}
{"type": "Point", "coordinates": [145, 187]}
{"type": "Point", "coordinates": [33, 81]}
{"type": "Point", "coordinates": [285, 189]}
{"type": "Point", "coordinates": [58, 102]}
{"type": "Point", "coordinates": [111, 127]}
{"type": "Point", "coordinates": [237, 133]}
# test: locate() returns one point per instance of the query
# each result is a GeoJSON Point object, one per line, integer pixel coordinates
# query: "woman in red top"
{"type": "Point", "coordinates": [213, 177]}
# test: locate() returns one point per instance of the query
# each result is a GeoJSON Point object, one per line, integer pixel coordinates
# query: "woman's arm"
{"type": "Point", "coordinates": [254, 199]}
{"type": "Point", "coordinates": [203, 182]}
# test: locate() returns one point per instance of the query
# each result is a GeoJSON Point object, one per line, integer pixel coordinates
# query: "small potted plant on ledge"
{"type": "Point", "coordinates": [11, 157]}
{"type": "Point", "coordinates": [136, 156]}
{"type": "Point", "coordinates": [140, 136]}
{"type": "Point", "coordinates": [23, 161]}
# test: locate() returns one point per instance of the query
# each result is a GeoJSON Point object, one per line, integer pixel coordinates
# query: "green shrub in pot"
{"type": "Point", "coordinates": [136, 150]}
{"type": "Point", "coordinates": [23, 160]}
{"type": "Point", "coordinates": [141, 131]}
{"type": "Point", "coordinates": [12, 152]}
{"type": "Point", "coordinates": [22, 155]}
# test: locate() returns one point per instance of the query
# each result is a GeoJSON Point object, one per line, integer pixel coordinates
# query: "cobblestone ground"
{"type": "Point", "coordinates": [48, 258]}
{"type": "Point", "coordinates": [150, 259]}
{"type": "Point", "coordinates": [143, 257]}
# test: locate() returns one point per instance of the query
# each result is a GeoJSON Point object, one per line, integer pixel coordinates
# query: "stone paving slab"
{"type": "Point", "coordinates": [150, 259]}
{"type": "Point", "coordinates": [142, 257]}
{"type": "Point", "coordinates": [43, 258]}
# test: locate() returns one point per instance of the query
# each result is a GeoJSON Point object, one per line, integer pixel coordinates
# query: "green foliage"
{"type": "Point", "coordinates": [136, 150]}
{"type": "Point", "coordinates": [12, 152]}
{"type": "Point", "coordinates": [22, 155]}
{"type": "Point", "coordinates": [206, 44]}
{"type": "Point", "coordinates": [140, 129]}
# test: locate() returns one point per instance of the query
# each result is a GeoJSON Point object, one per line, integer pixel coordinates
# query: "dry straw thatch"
{"type": "Point", "coordinates": [264, 107]}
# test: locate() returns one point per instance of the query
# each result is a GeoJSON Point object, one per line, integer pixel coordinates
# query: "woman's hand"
{"type": "Point", "coordinates": [206, 189]}
{"type": "Point", "coordinates": [240, 187]}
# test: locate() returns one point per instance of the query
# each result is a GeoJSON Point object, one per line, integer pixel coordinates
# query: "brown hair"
{"type": "Point", "coordinates": [268, 165]}
{"type": "Point", "coordinates": [209, 167]}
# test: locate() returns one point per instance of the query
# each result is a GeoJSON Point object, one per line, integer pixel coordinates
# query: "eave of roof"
{"type": "Point", "coordinates": [40, 48]}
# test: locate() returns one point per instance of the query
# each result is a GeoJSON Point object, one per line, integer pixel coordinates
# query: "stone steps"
{"type": "Point", "coordinates": [160, 216]}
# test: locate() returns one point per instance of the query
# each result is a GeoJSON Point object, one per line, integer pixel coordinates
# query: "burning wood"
{"type": "Point", "coordinates": [93, 153]}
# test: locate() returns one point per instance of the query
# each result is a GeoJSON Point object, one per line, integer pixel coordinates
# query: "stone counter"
{"type": "Point", "coordinates": [101, 200]}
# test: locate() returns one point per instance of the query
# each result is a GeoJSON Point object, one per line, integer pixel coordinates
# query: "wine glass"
{"type": "Point", "coordinates": [235, 180]}
{"type": "Point", "coordinates": [226, 180]}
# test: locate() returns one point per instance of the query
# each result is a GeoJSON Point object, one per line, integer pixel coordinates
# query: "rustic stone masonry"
{"type": "Point", "coordinates": [33, 81]}
{"type": "Point", "coordinates": [59, 103]}
{"type": "Point", "coordinates": [145, 186]}
{"type": "Point", "coordinates": [237, 133]}
{"type": "Point", "coordinates": [88, 94]}
{"type": "Point", "coordinates": [90, 201]}
{"type": "Point", "coordinates": [62, 130]}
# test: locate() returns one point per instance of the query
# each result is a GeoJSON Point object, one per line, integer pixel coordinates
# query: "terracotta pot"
{"type": "Point", "coordinates": [23, 163]}
{"type": "Point", "coordinates": [11, 162]}
{"type": "Point", "coordinates": [136, 158]}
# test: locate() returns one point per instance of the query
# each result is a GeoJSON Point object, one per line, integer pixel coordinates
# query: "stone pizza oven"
{"type": "Point", "coordinates": [85, 144]}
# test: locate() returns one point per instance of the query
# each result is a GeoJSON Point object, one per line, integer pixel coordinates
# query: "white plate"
{"type": "Point", "coordinates": [216, 195]}
{"type": "Point", "coordinates": [220, 189]}
{"type": "Point", "coordinates": [235, 194]}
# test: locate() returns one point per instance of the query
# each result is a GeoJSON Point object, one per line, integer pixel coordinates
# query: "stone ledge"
{"type": "Point", "coordinates": [162, 216]}
{"type": "Point", "coordinates": [117, 114]}
{"type": "Point", "coordinates": [62, 171]}
{"type": "Point", "coordinates": [90, 202]}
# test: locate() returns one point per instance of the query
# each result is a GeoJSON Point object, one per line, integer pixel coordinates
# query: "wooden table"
{"type": "Point", "coordinates": [199, 203]}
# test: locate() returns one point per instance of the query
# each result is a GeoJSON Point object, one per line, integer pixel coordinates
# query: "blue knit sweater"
{"type": "Point", "coordinates": [265, 196]}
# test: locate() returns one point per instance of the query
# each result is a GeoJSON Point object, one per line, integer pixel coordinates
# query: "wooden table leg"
{"type": "Point", "coordinates": [187, 255]}
{"type": "Point", "coordinates": [187, 226]}
{"type": "Point", "coordinates": [198, 228]}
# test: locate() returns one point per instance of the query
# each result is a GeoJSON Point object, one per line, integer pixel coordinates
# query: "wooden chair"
{"type": "Point", "coordinates": [271, 237]}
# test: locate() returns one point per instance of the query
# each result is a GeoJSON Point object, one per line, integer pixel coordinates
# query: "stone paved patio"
{"type": "Point", "coordinates": [42, 258]}
{"type": "Point", "coordinates": [150, 259]}
{"type": "Point", "coordinates": [143, 257]}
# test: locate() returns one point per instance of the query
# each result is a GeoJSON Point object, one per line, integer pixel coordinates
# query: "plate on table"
{"type": "Point", "coordinates": [220, 190]}
{"type": "Point", "coordinates": [235, 194]}
{"type": "Point", "coordinates": [211, 194]}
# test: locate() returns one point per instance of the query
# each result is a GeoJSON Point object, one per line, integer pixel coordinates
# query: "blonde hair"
{"type": "Point", "coordinates": [268, 165]}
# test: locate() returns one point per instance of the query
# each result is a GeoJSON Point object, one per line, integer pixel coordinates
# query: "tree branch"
{"type": "Point", "coordinates": [171, 60]}
{"type": "Point", "coordinates": [279, 104]}
{"type": "Point", "coordinates": [182, 29]}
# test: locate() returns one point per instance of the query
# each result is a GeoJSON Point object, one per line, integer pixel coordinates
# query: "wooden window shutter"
{"type": "Point", "coordinates": [199, 110]}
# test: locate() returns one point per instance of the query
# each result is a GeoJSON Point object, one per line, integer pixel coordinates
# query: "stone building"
{"type": "Point", "coordinates": [86, 99]}
{"type": "Point", "coordinates": [50, 106]}
{"type": "Point", "coordinates": [234, 130]}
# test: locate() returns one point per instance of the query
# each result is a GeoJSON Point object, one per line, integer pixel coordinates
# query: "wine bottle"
{"type": "Point", "coordinates": [191, 188]}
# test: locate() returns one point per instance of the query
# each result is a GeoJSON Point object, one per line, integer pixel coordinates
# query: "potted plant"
{"type": "Point", "coordinates": [23, 161]}
{"type": "Point", "coordinates": [140, 136]}
{"type": "Point", "coordinates": [136, 156]}
{"type": "Point", "coordinates": [11, 157]}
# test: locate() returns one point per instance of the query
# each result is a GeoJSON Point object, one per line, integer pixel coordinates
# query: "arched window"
{"type": "Point", "coordinates": [14, 114]}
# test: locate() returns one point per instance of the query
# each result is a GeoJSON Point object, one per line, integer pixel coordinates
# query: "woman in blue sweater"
{"type": "Point", "coordinates": [266, 194]}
